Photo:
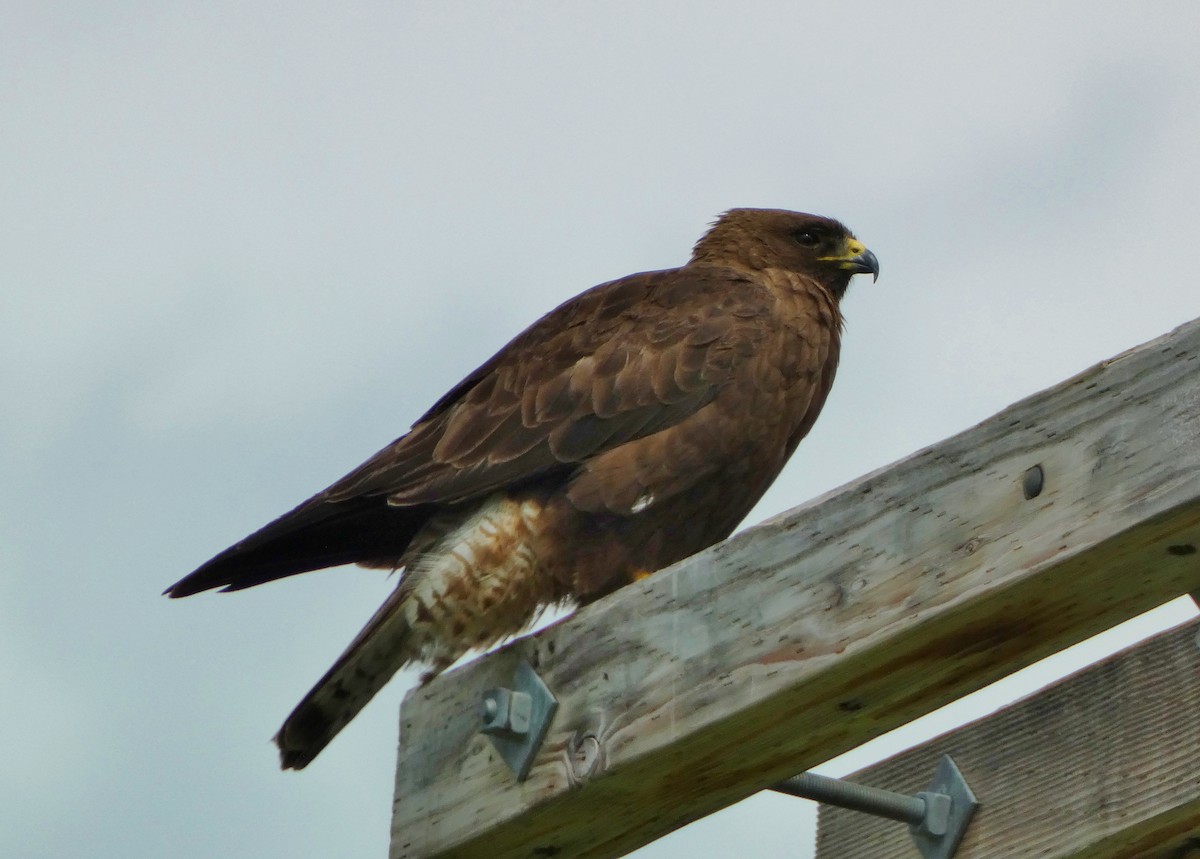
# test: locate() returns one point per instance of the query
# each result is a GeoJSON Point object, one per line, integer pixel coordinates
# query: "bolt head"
{"type": "Point", "coordinates": [494, 710]}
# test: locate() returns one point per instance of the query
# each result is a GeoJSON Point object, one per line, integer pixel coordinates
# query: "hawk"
{"type": "Point", "coordinates": [629, 428]}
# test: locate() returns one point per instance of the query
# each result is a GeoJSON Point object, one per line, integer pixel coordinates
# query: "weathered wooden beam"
{"type": "Point", "coordinates": [1104, 764]}
{"type": "Point", "coordinates": [820, 629]}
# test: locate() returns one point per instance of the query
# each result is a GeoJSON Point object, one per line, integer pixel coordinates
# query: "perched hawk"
{"type": "Point", "coordinates": [632, 426]}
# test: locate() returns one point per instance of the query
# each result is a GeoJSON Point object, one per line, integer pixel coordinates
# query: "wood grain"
{"type": "Point", "coordinates": [822, 628]}
{"type": "Point", "coordinates": [1104, 764]}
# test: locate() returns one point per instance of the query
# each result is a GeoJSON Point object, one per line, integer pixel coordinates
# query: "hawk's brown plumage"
{"type": "Point", "coordinates": [632, 426]}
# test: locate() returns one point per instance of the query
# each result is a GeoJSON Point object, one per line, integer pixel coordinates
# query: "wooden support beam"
{"type": "Point", "coordinates": [1105, 764]}
{"type": "Point", "coordinates": [820, 629]}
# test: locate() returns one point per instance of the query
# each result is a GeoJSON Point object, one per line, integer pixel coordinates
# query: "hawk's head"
{"type": "Point", "coordinates": [818, 247]}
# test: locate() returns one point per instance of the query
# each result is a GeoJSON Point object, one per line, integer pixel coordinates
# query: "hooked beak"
{"type": "Point", "coordinates": [856, 260]}
{"type": "Point", "coordinates": [863, 263]}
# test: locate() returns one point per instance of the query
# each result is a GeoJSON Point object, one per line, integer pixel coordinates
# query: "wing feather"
{"type": "Point", "coordinates": [618, 363]}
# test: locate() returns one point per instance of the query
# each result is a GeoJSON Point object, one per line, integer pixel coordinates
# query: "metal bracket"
{"type": "Point", "coordinates": [937, 818]}
{"type": "Point", "coordinates": [517, 719]}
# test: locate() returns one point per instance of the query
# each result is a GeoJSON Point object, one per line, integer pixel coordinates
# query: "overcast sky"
{"type": "Point", "coordinates": [244, 245]}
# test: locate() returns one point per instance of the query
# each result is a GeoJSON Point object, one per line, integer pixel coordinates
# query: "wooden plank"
{"type": "Point", "coordinates": [820, 629]}
{"type": "Point", "coordinates": [1104, 764]}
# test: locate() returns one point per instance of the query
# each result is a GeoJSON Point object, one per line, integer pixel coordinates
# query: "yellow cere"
{"type": "Point", "coordinates": [852, 249]}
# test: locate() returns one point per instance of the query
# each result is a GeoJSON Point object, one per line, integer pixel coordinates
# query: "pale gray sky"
{"type": "Point", "coordinates": [243, 245]}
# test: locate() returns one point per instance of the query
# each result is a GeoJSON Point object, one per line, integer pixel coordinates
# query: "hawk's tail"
{"type": "Point", "coordinates": [382, 648]}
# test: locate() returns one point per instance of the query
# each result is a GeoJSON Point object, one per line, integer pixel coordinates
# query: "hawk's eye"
{"type": "Point", "coordinates": [807, 238]}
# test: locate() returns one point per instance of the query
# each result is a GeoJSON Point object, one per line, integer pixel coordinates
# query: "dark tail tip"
{"type": "Point", "coordinates": [303, 736]}
{"type": "Point", "coordinates": [292, 759]}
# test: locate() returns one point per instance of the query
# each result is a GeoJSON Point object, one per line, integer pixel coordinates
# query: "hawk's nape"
{"type": "Point", "coordinates": [634, 425]}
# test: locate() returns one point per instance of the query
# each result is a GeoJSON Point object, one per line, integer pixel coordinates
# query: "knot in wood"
{"type": "Point", "coordinates": [585, 754]}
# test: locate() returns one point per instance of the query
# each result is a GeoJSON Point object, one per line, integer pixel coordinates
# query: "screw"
{"type": "Point", "coordinates": [858, 797]}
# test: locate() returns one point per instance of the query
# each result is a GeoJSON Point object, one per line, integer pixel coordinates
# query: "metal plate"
{"type": "Point", "coordinates": [947, 780]}
{"type": "Point", "coordinates": [519, 749]}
